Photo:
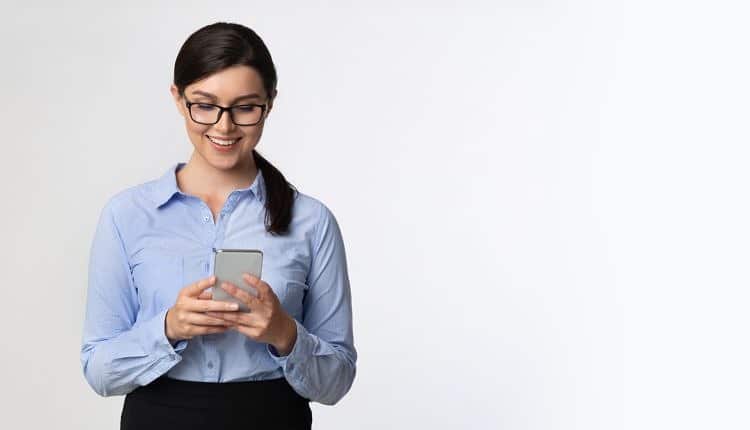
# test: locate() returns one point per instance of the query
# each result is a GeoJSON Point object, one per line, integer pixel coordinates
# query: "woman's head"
{"type": "Point", "coordinates": [218, 64]}
{"type": "Point", "coordinates": [227, 65]}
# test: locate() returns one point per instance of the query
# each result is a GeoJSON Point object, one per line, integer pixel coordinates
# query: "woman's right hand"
{"type": "Point", "coordinates": [186, 318]}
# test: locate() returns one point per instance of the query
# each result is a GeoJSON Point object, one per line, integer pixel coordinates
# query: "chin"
{"type": "Point", "coordinates": [226, 162]}
{"type": "Point", "coordinates": [223, 163]}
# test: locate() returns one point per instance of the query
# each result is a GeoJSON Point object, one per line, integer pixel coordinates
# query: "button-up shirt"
{"type": "Point", "coordinates": [152, 240]}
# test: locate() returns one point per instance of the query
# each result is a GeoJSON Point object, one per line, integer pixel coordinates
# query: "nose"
{"type": "Point", "coordinates": [225, 124]}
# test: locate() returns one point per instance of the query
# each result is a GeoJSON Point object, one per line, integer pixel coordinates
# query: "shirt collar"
{"type": "Point", "coordinates": [164, 188]}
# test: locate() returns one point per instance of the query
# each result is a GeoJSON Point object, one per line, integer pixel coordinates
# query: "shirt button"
{"type": "Point", "coordinates": [210, 364]}
{"type": "Point", "coordinates": [206, 218]}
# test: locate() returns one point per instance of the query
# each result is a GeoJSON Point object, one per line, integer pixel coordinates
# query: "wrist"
{"type": "Point", "coordinates": [285, 345]}
{"type": "Point", "coordinates": [170, 337]}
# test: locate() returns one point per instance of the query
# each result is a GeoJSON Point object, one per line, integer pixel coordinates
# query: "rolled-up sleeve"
{"type": "Point", "coordinates": [322, 363]}
{"type": "Point", "coordinates": [120, 352]}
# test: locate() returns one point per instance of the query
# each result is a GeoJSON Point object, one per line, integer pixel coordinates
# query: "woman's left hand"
{"type": "Point", "coordinates": [266, 322]}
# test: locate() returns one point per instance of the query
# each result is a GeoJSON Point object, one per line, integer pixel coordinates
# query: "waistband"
{"type": "Point", "coordinates": [179, 392]}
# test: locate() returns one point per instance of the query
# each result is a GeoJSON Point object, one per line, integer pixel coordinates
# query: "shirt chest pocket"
{"type": "Point", "coordinates": [158, 278]}
{"type": "Point", "coordinates": [286, 271]}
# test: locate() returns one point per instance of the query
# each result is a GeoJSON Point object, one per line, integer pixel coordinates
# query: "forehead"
{"type": "Point", "coordinates": [230, 83]}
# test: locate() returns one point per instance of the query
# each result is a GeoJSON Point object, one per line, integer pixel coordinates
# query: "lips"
{"type": "Point", "coordinates": [222, 141]}
{"type": "Point", "coordinates": [223, 146]}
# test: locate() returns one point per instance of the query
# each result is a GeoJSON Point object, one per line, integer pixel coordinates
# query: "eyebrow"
{"type": "Point", "coordinates": [213, 97]}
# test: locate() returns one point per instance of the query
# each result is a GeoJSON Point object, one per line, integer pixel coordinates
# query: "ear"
{"type": "Point", "coordinates": [178, 101]}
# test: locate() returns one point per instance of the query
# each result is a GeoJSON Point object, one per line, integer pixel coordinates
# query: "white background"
{"type": "Point", "coordinates": [544, 203]}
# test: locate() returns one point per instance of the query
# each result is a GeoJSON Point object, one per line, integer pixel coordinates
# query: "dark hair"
{"type": "Point", "coordinates": [216, 47]}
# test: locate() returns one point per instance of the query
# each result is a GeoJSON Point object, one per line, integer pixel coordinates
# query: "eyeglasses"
{"type": "Point", "coordinates": [209, 113]}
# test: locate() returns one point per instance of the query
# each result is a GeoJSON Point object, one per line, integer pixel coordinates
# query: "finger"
{"type": "Point", "coordinates": [195, 289]}
{"type": "Point", "coordinates": [249, 319]}
{"type": "Point", "coordinates": [226, 316]}
{"type": "Point", "coordinates": [200, 319]}
{"type": "Point", "coordinates": [250, 332]}
{"type": "Point", "coordinates": [196, 305]}
{"type": "Point", "coordinates": [260, 286]}
{"type": "Point", "coordinates": [251, 301]}
{"type": "Point", "coordinates": [206, 295]}
{"type": "Point", "coordinates": [211, 330]}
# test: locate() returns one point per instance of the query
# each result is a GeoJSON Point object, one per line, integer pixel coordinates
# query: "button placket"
{"type": "Point", "coordinates": [212, 363]}
{"type": "Point", "coordinates": [228, 206]}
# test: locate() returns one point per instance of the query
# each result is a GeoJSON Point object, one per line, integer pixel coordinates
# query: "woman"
{"type": "Point", "coordinates": [152, 330]}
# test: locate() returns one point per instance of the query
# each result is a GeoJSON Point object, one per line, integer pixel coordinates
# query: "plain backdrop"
{"type": "Point", "coordinates": [544, 203]}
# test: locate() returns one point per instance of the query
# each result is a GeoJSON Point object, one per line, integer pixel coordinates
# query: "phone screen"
{"type": "Point", "coordinates": [229, 265]}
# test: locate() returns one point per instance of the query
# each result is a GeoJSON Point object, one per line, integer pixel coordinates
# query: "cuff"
{"type": "Point", "coordinates": [301, 350]}
{"type": "Point", "coordinates": [154, 338]}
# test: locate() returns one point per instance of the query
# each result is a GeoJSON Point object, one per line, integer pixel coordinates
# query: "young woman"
{"type": "Point", "coordinates": [152, 329]}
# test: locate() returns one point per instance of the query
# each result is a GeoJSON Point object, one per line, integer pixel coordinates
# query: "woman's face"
{"type": "Point", "coordinates": [236, 85]}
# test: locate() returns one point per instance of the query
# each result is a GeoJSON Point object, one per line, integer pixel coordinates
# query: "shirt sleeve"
{"type": "Point", "coordinates": [322, 363]}
{"type": "Point", "coordinates": [120, 352]}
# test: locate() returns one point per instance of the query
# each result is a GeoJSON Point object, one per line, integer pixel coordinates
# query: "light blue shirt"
{"type": "Point", "coordinates": [152, 240]}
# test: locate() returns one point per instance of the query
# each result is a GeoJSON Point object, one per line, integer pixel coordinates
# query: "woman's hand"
{"type": "Point", "coordinates": [188, 317]}
{"type": "Point", "coordinates": [266, 322]}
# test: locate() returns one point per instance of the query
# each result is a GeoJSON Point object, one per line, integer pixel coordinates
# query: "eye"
{"type": "Point", "coordinates": [205, 107]}
{"type": "Point", "coordinates": [245, 108]}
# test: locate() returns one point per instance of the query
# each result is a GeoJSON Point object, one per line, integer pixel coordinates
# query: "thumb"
{"type": "Point", "coordinates": [194, 290]}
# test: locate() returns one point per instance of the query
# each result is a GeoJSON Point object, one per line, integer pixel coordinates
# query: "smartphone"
{"type": "Point", "coordinates": [229, 265]}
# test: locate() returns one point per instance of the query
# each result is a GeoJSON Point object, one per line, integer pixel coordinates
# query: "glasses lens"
{"type": "Point", "coordinates": [204, 113]}
{"type": "Point", "coordinates": [247, 114]}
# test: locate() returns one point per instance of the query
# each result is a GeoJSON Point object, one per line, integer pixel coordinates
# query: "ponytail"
{"type": "Point", "coordinates": [279, 196]}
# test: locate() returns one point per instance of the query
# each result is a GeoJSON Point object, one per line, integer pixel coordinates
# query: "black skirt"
{"type": "Point", "coordinates": [169, 403]}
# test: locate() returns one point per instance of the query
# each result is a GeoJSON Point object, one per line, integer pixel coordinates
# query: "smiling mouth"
{"type": "Point", "coordinates": [222, 142]}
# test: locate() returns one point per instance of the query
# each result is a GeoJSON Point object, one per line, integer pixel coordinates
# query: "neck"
{"type": "Point", "coordinates": [200, 178]}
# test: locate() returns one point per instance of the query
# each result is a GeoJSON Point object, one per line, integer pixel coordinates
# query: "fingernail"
{"type": "Point", "coordinates": [234, 306]}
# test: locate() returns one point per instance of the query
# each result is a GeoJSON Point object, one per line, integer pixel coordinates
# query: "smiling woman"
{"type": "Point", "coordinates": [153, 331]}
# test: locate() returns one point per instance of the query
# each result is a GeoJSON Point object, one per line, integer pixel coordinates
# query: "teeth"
{"type": "Point", "coordinates": [222, 142]}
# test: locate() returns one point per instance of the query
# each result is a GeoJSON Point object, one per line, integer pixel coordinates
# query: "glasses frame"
{"type": "Point", "coordinates": [263, 108]}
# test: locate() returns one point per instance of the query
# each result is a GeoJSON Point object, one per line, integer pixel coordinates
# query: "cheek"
{"type": "Point", "coordinates": [196, 131]}
{"type": "Point", "coordinates": [254, 134]}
